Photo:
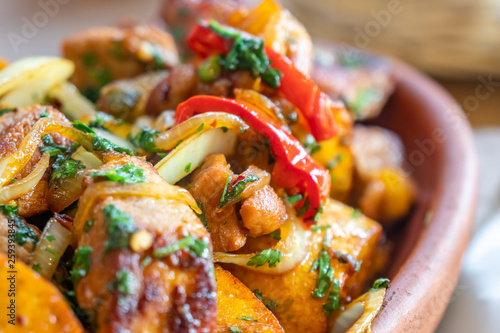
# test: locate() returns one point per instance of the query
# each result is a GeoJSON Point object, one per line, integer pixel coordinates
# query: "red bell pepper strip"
{"type": "Point", "coordinates": [294, 170]}
{"type": "Point", "coordinates": [321, 113]}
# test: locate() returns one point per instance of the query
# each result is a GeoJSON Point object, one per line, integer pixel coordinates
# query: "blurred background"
{"type": "Point", "coordinates": [457, 42]}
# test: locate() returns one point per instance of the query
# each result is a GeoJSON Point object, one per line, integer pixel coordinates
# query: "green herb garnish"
{"type": "Point", "coordinates": [145, 139]}
{"type": "Point", "coordinates": [320, 227]}
{"type": "Point", "coordinates": [305, 207]}
{"type": "Point", "coordinates": [126, 173]}
{"type": "Point", "coordinates": [247, 53]}
{"type": "Point", "coordinates": [196, 247]}
{"type": "Point", "coordinates": [81, 263]}
{"type": "Point", "coordinates": [247, 318]}
{"type": "Point", "coordinates": [88, 225]}
{"type": "Point", "coordinates": [120, 227]}
{"type": "Point", "coordinates": [276, 234]}
{"type": "Point", "coordinates": [311, 146]}
{"type": "Point", "coordinates": [234, 329]}
{"type": "Point", "coordinates": [65, 166]}
{"type": "Point", "coordinates": [23, 232]}
{"type": "Point", "coordinates": [99, 143]}
{"type": "Point", "coordinates": [381, 283]}
{"type": "Point", "coordinates": [333, 300]}
{"type": "Point", "coordinates": [293, 199]}
{"type": "Point", "coordinates": [6, 110]}
{"type": "Point", "coordinates": [269, 256]}
{"type": "Point", "coordinates": [325, 274]}
{"type": "Point", "coordinates": [125, 283]}
{"type": "Point", "coordinates": [236, 189]}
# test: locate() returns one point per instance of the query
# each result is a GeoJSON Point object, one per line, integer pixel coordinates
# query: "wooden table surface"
{"type": "Point", "coordinates": [487, 113]}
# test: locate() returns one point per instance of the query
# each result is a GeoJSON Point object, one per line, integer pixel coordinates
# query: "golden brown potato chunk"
{"type": "Point", "coordinates": [351, 239]}
{"type": "Point", "coordinates": [150, 258]}
{"type": "Point", "coordinates": [384, 192]}
{"type": "Point", "coordinates": [104, 54]}
{"type": "Point", "coordinates": [39, 306]}
{"type": "Point", "coordinates": [14, 126]}
{"type": "Point", "coordinates": [235, 302]}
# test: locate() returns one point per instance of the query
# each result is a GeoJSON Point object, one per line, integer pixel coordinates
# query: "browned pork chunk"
{"type": "Point", "coordinates": [144, 259]}
{"type": "Point", "coordinates": [102, 55]}
{"type": "Point", "coordinates": [258, 212]}
{"type": "Point", "coordinates": [14, 126]}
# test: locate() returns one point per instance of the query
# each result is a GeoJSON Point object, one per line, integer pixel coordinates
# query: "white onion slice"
{"type": "Point", "coordinates": [23, 186]}
{"type": "Point", "coordinates": [188, 155]}
{"type": "Point", "coordinates": [53, 242]}
{"type": "Point", "coordinates": [196, 125]}
{"type": "Point", "coordinates": [52, 69]}
{"type": "Point", "coordinates": [114, 139]}
{"type": "Point", "coordinates": [360, 313]}
{"type": "Point", "coordinates": [73, 104]}
{"type": "Point", "coordinates": [293, 245]}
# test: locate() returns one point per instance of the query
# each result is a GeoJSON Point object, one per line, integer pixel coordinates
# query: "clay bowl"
{"type": "Point", "coordinates": [425, 264]}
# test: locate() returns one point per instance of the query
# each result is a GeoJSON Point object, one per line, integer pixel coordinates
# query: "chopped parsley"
{"type": "Point", "coordinates": [45, 113]}
{"type": "Point", "coordinates": [101, 118]}
{"type": "Point", "coordinates": [6, 110]}
{"type": "Point", "coordinates": [81, 263]}
{"type": "Point", "coordinates": [99, 143]}
{"type": "Point", "coordinates": [23, 232]}
{"type": "Point", "coordinates": [334, 161]}
{"type": "Point", "coordinates": [320, 227]}
{"type": "Point", "coordinates": [247, 53]}
{"type": "Point", "coordinates": [381, 283]}
{"type": "Point", "coordinates": [311, 146]}
{"type": "Point", "coordinates": [200, 128]}
{"type": "Point", "coordinates": [247, 318]}
{"type": "Point", "coordinates": [293, 199]}
{"type": "Point", "coordinates": [145, 139]}
{"type": "Point", "coordinates": [125, 283]}
{"type": "Point", "coordinates": [196, 247]}
{"type": "Point", "coordinates": [187, 168]}
{"type": "Point", "coordinates": [52, 148]}
{"type": "Point", "coordinates": [236, 189]}
{"type": "Point", "coordinates": [325, 274]}
{"type": "Point", "coordinates": [234, 329]}
{"type": "Point", "coordinates": [126, 173]}
{"type": "Point", "coordinates": [333, 300]}
{"type": "Point", "coordinates": [65, 166]}
{"type": "Point", "coordinates": [318, 214]}
{"type": "Point", "coordinates": [276, 234]}
{"type": "Point", "coordinates": [88, 225]}
{"type": "Point", "coordinates": [269, 256]}
{"type": "Point", "coordinates": [120, 227]}
{"type": "Point", "coordinates": [305, 207]}
{"type": "Point", "coordinates": [36, 267]}
{"type": "Point", "coordinates": [89, 59]}
{"type": "Point", "coordinates": [202, 216]}
{"type": "Point", "coordinates": [270, 304]}
{"type": "Point", "coordinates": [356, 213]}
{"type": "Point", "coordinates": [50, 238]}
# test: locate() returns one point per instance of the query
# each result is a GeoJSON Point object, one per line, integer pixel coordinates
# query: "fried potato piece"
{"type": "Point", "coordinates": [383, 191]}
{"type": "Point", "coordinates": [104, 54]}
{"type": "Point", "coordinates": [349, 236]}
{"type": "Point", "coordinates": [235, 300]}
{"type": "Point", "coordinates": [129, 285]}
{"type": "Point", "coordinates": [39, 306]}
{"type": "Point", "coordinates": [14, 126]}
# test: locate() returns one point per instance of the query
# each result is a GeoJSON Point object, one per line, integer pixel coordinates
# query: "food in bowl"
{"type": "Point", "coordinates": [227, 192]}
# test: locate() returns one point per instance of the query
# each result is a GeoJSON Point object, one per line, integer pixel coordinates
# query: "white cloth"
{"type": "Point", "coordinates": [475, 305]}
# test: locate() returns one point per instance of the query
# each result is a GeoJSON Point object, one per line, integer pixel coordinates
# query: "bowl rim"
{"type": "Point", "coordinates": [417, 298]}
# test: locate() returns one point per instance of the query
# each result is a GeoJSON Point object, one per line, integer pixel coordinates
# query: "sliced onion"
{"type": "Point", "coordinates": [27, 94]}
{"type": "Point", "coordinates": [293, 245]}
{"type": "Point", "coordinates": [100, 190]}
{"type": "Point", "coordinates": [73, 104]}
{"type": "Point", "coordinates": [34, 69]}
{"type": "Point", "coordinates": [360, 313]}
{"type": "Point", "coordinates": [65, 191]}
{"type": "Point", "coordinates": [264, 103]}
{"type": "Point", "coordinates": [190, 153]}
{"type": "Point", "coordinates": [114, 139]}
{"type": "Point", "coordinates": [198, 124]}
{"type": "Point", "coordinates": [53, 242]}
{"type": "Point", "coordinates": [11, 164]}
{"type": "Point", "coordinates": [24, 185]}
